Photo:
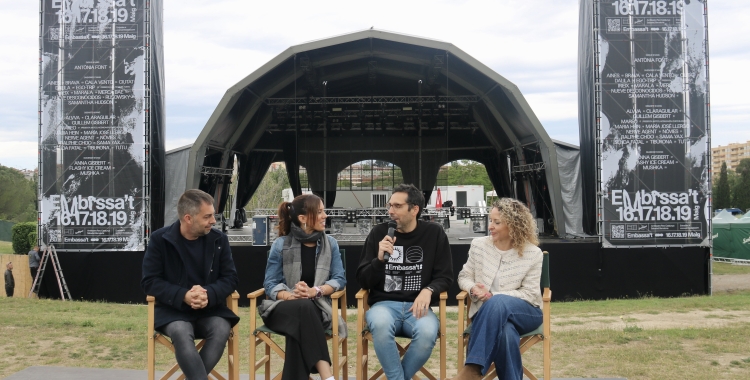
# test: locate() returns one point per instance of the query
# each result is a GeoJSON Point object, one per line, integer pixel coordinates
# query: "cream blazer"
{"type": "Point", "coordinates": [519, 276]}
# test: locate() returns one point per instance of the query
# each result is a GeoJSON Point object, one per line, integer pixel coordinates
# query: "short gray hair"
{"type": "Point", "coordinates": [191, 201]}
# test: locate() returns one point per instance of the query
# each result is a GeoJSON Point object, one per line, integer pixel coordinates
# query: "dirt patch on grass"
{"type": "Point", "coordinates": [730, 282]}
{"type": "Point", "coordinates": [726, 283]}
{"type": "Point", "coordinates": [661, 321]}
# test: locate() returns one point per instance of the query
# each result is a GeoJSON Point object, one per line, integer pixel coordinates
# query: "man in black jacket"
{"type": "Point", "coordinates": [188, 267]}
{"type": "Point", "coordinates": [405, 275]}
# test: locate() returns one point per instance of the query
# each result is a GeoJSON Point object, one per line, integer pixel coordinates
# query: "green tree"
{"type": "Point", "coordinates": [268, 194]}
{"type": "Point", "coordinates": [21, 240]}
{"type": "Point", "coordinates": [741, 194]}
{"type": "Point", "coordinates": [466, 172]}
{"type": "Point", "coordinates": [17, 196]}
{"type": "Point", "coordinates": [722, 196]}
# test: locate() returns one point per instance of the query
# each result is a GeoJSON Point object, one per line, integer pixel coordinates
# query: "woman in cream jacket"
{"type": "Point", "coordinates": [502, 278]}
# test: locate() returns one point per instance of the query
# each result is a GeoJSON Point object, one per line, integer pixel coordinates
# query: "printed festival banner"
{"type": "Point", "coordinates": [654, 125]}
{"type": "Point", "coordinates": [93, 134]}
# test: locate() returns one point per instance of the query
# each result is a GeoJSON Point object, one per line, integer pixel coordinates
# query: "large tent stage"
{"type": "Point", "coordinates": [415, 104]}
{"type": "Point", "coordinates": [579, 270]}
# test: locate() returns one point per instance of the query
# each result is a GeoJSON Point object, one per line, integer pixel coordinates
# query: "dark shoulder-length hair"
{"type": "Point", "coordinates": [289, 212]}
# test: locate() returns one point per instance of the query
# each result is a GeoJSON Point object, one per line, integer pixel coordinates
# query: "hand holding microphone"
{"type": "Point", "coordinates": [386, 245]}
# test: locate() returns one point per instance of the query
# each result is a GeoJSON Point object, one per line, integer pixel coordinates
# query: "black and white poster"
{"type": "Point", "coordinates": [404, 269]}
{"type": "Point", "coordinates": [93, 131]}
{"type": "Point", "coordinates": [654, 126]}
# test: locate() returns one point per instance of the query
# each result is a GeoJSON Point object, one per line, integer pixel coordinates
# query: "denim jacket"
{"type": "Point", "coordinates": [275, 281]}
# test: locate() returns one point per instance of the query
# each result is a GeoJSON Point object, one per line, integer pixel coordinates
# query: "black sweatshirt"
{"type": "Point", "coordinates": [420, 258]}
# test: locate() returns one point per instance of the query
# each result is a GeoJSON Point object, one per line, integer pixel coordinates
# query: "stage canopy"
{"type": "Point", "coordinates": [411, 102]}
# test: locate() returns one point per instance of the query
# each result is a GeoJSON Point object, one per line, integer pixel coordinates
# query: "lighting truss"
{"type": "Point", "coordinates": [213, 171]}
{"type": "Point", "coordinates": [373, 99]}
{"type": "Point", "coordinates": [535, 167]}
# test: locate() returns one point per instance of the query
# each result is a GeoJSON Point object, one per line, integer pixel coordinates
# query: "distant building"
{"type": "Point", "coordinates": [732, 154]}
{"type": "Point", "coordinates": [28, 174]}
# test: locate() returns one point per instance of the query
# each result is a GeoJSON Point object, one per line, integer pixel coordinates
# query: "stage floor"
{"type": "Point", "coordinates": [458, 233]}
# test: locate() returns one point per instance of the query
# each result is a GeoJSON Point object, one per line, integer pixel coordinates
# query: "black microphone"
{"type": "Point", "coordinates": [391, 231]}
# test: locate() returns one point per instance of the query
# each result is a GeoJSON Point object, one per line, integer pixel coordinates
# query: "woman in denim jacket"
{"type": "Point", "coordinates": [304, 268]}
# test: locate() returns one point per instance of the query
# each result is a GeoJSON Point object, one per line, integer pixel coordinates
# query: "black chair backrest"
{"type": "Point", "coordinates": [545, 270]}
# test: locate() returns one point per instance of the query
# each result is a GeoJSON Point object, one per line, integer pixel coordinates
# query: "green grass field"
{"type": "Point", "coordinates": [6, 247]}
{"type": "Point", "coordinates": [104, 335]}
{"type": "Point", "coordinates": [726, 268]}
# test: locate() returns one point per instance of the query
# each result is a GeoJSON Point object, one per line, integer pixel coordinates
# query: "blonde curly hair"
{"type": "Point", "coordinates": [521, 224]}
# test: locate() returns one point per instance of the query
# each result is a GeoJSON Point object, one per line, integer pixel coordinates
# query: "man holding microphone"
{"type": "Point", "coordinates": [405, 270]}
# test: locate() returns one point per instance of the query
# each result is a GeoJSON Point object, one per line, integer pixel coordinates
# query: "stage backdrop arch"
{"type": "Point", "coordinates": [414, 100]}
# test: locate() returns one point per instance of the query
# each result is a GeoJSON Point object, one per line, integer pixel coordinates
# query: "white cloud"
{"type": "Point", "coordinates": [550, 106]}
{"type": "Point", "coordinates": [19, 154]}
{"type": "Point", "coordinates": [178, 143]}
{"type": "Point", "coordinates": [211, 45]}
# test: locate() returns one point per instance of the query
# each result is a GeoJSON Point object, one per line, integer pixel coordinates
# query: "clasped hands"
{"type": "Point", "coordinates": [197, 297]}
{"type": "Point", "coordinates": [300, 291]}
{"type": "Point", "coordinates": [480, 291]}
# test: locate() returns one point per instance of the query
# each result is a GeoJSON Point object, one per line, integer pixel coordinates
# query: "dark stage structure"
{"type": "Point", "coordinates": [578, 271]}
{"type": "Point", "coordinates": [412, 102]}
{"type": "Point", "coordinates": [416, 104]}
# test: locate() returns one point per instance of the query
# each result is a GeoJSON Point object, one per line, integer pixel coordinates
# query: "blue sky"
{"type": "Point", "coordinates": [211, 45]}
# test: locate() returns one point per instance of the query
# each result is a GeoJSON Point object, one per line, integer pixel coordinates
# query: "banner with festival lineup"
{"type": "Point", "coordinates": [653, 117]}
{"type": "Point", "coordinates": [93, 124]}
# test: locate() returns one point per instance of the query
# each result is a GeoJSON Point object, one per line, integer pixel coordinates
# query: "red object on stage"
{"type": "Point", "coordinates": [439, 201]}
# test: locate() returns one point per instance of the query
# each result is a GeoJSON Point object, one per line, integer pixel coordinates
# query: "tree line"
{"type": "Point", "coordinates": [732, 188]}
{"type": "Point", "coordinates": [17, 196]}
{"type": "Point", "coordinates": [463, 172]}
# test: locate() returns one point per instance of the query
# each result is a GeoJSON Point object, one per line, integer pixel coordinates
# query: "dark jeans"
{"type": "Point", "coordinates": [496, 331]}
{"type": "Point", "coordinates": [197, 366]}
{"type": "Point", "coordinates": [9, 292]}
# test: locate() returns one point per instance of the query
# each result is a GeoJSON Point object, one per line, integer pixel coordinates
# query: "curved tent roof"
{"type": "Point", "coordinates": [414, 102]}
{"type": "Point", "coordinates": [723, 217]}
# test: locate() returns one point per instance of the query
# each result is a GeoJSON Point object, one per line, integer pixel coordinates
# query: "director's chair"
{"type": "Point", "coordinates": [364, 337]}
{"type": "Point", "coordinates": [541, 334]}
{"type": "Point", "coordinates": [262, 335]}
{"type": "Point", "coordinates": [155, 336]}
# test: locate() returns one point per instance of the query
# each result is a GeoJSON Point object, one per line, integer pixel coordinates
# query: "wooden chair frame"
{"type": "Point", "coordinates": [527, 340]}
{"type": "Point", "coordinates": [154, 336]}
{"type": "Point", "coordinates": [364, 337]}
{"type": "Point", "coordinates": [262, 335]}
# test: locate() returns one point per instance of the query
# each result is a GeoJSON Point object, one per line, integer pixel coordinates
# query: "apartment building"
{"type": "Point", "coordinates": [732, 154]}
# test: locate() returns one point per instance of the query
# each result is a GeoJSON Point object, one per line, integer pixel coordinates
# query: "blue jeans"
{"type": "Point", "coordinates": [197, 366]}
{"type": "Point", "coordinates": [496, 330]}
{"type": "Point", "coordinates": [388, 319]}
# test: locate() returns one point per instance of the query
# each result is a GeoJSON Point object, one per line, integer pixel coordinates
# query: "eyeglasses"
{"type": "Point", "coordinates": [397, 206]}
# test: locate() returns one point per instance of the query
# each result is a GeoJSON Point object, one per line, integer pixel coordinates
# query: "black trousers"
{"type": "Point", "coordinates": [9, 293]}
{"type": "Point", "coordinates": [300, 321]}
{"type": "Point", "coordinates": [33, 273]}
